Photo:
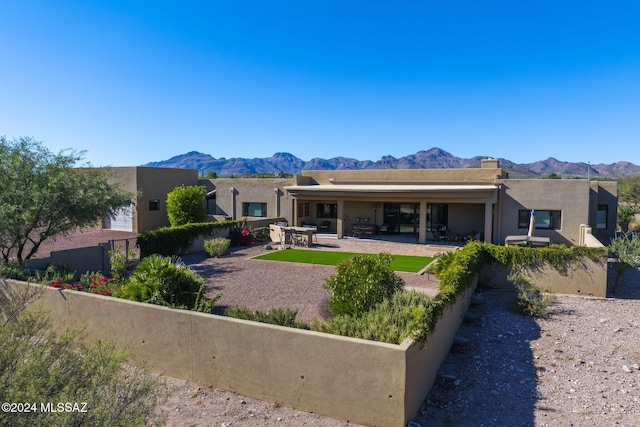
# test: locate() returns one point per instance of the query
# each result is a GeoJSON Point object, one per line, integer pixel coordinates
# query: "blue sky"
{"type": "Point", "coordinates": [134, 82]}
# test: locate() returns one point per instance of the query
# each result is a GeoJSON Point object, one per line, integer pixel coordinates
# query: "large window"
{"type": "Point", "coordinates": [603, 217]}
{"type": "Point", "coordinates": [254, 209]}
{"type": "Point", "coordinates": [545, 220]}
{"type": "Point", "coordinates": [327, 210]}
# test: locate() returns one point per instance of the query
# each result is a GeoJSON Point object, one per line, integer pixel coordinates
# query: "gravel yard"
{"type": "Point", "coordinates": [580, 366]}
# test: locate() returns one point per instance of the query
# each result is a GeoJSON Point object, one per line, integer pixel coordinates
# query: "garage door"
{"type": "Point", "coordinates": [122, 220]}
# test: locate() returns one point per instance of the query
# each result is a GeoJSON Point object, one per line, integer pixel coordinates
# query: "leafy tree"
{"type": "Point", "coordinates": [626, 248]}
{"type": "Point", "coordinates": [43, 196]}
{"type": "Point", "coordinates": [185, 205]}
{"type": "Point", "coordinates": [629, 190]}
{"type": "Point", "coordinates": [362, 282]}
{"type": "Point", "coordinates": [626, 214]}
{"type": "Point", "coordinates": [553, 175]}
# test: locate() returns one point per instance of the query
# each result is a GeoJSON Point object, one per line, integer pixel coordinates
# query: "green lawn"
{"type": "Point", "coordinates": [411, 264]}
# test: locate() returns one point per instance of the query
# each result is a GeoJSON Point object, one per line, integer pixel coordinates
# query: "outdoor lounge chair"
{"type": "Point", "coordinates": [324, 226]}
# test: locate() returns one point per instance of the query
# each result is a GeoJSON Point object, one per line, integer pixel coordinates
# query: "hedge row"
{"type": "Point", "coordinates": [170, 241]}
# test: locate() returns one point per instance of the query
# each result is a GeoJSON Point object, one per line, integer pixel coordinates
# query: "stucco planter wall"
{"type": "Point", "coordinates": [587, 278]}
{"type": "Point", "coordinates": [360, 381]}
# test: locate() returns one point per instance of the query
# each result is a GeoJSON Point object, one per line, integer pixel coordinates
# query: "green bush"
{"type": "Point", "coordinates": [170, 241]}
{"type": "Point", "coordinates": [404, 314]}
{"type": "Point", "coordinates": [362, 282]}
{"type": "Point", "coordinates": [185, 205]}
{"type": "Point", "coordinates": [275, 316]}
{"type": "Point", "coordinates": [166, 281]}
{"type": "Point", "coordinates": [40, 366]}
{"type": "Point", "coordinates": [217, 247]}
{"type": "Point", "coordinates": [119, 259]}
{"type": "Point", "coordinates": [530, 300]}
{"type": "Point", "coordinates": [14, 270]}
{"type": "Point", "coordinates": [56, 272]}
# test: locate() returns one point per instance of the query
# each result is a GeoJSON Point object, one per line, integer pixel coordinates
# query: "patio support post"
{"type": "Point", "coordinates": [339, 221]}
{"type": "Point", "coordinates": [233, 203]}
{"type": "Point", "coordinates": [422, 231]}
{"type": "Point", "coordinates": [488, 221]}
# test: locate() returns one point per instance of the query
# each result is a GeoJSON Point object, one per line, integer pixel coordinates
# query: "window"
{"type": "Point", "coordinates": [327, 210]}
{"type": "Point", "coordinates": [545, 220]}
{"type": "Point", "coordinates": [602, 218]}
{"type": "Point", "coordinates": [154, 205]}
{"type": "Point", "coordinates": [303, 209]}
{"type": "Point", "coordinates": [254, 209]}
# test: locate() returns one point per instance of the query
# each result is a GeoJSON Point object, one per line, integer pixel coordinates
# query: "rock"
{"type": "Point", "coordinates": [460, 340]}
{"type": "Point", "coordinates": [626, 369]}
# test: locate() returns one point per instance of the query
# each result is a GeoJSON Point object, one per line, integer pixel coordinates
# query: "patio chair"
{"type": "Point", "coordinates": [453, 237]}
{"type": "Point", "coordinates": [286, 237]}
{"type": "Point", "coordinates": [324, 225]}
{"type": "Point", "coordinates": [299, 239]}
{"type": "Point", "coordinates": [438, 236]}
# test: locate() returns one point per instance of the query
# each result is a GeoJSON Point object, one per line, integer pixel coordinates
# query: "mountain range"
{"type": "Point", "coordinates": [434, 158]}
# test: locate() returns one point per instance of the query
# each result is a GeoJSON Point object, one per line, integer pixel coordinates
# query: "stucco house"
{"type": "Point", "coordinates": [150, 186]}
{"type": "Point", "coordinates": [431, 204]}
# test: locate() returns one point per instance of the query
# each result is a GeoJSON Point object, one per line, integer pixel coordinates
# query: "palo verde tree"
{"type": "Point", "coordinates": [43, 196]}
{"type": "Point", "coordinates": [185, 205]}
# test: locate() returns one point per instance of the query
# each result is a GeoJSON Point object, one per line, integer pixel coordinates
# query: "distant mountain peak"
{"type": "Point", "coordinates": [433, 158]}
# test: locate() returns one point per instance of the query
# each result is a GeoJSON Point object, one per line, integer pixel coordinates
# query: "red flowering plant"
{"type": "Point", "coordinates": [247, 235]}
{"type": "Point", "coordinates": [94, 283]}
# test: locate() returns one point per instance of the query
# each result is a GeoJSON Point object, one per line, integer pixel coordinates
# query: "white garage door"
{"type": "Point", "coordinates": [122, 220]}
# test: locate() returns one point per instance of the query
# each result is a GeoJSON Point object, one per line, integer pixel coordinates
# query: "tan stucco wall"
{"type": "Point", "coordinates": [80, 260]}
{"type": "Point", "coordinates": [155, 184]}
{"type": "Point", "coordinates": [361, 381]}
{"type": "Point", "coordinates": [390, 175]}
{"type": "Point", "coordinates": [148, 183]}
{"type": "Point", "coordinates": [588, 278]}
{"type": "Point", "coordinates": [569, 196]}
{"type": "Point", "coordinates": [251, 190]}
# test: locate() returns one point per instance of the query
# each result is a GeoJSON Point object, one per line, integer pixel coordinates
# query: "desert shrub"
{"type": "Point", "coordinates": [361, 282]}
{"type": "Point", "coordinates": [530, 300]}
{"type": "Point", "coordinates": [166, 281]}
{"type": "Point", "coordinates": [56, 272]}
{"type": "Point", "coordinates": [404, 314]}
{"type": "Point", "coordinates": [185, 205]}
{"type": "Point", "coordinates": [14, 270]}
{"type": "Point", "coordinates": [119, 259]}
{"type": "Point", "coordinates": [217, 247]}
{"type": "Point", "coordinates": [38, 365]}
{"type": "Point", "coordinates": [275, 316]}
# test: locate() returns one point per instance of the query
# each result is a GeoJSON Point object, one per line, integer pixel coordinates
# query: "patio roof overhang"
{"type": "Point", "coordinates": [412, 191]}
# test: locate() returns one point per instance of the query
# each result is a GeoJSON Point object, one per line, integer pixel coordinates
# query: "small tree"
{"type": "Point", "coordinates": [42, 196]}
{"type": "Point", "coordinates": [626, 248]}
{"type": "Point", "coordinates": [185, 205]}
{"type": "Point", "coordinates": [626, 214]}
{"type": "Point", "coordinates": [362, 282]}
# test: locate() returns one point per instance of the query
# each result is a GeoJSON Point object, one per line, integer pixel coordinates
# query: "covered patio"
{"type": "Point", "coordinates": [435, 213]}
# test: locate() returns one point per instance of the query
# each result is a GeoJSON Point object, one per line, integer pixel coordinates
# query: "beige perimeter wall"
{"type": "Point", "coordinates": [588, 278]}
{"type": "Point", "coordinates": [349, 379]}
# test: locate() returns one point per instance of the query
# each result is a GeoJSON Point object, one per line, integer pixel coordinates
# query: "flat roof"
{"type": "Point", "coordinates": [368, 188]}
